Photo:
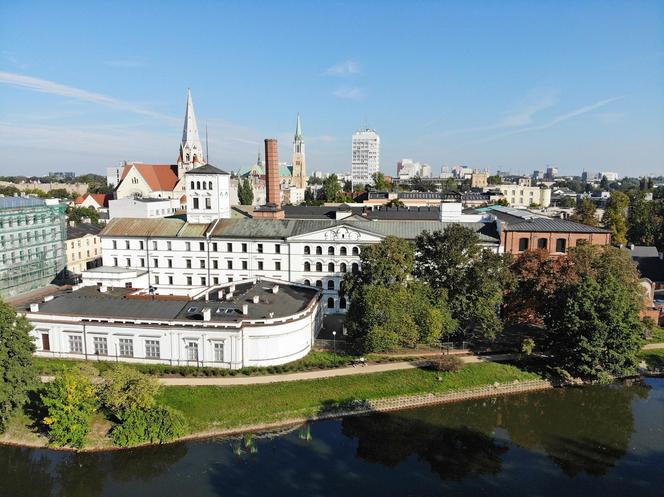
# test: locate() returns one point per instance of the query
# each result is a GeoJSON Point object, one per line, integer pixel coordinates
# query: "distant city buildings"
{"type": "Point", "coordinates": [551, 173]}
{"type": "Point", "coordinates": [525, 195]}
{"type": "Point", "coordinates": [407, 169]}
{"type": "Point", "coordinates": [609, 175]}
{"type": "Point", "coordinates": [365, 156]}
{"type": "Point", "coordinates": [62, 175]}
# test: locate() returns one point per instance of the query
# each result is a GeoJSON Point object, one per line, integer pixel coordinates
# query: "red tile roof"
{"type": "Point", "coordinates": [160, 177]}
{"type": "Point", "coordinates": [101, 198]}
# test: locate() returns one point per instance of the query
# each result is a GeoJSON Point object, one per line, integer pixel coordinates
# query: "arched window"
{"type": "Point", "coordinates": [192, 185]}
{"type": "Point", "coordinates": [209, 185]}
{"type": "Point", "coordinates": [542, 243]}
{"type": "Point", "coordinates": [204, 185]}
{"type": "Point", "coordinates": [307, 250]}
{"type": "Point", "coordinates": [319, 284]}
{"type": "Point", "coordinates": [330, 284]}
{"type": "Point", "coordinates": [356, 251]}
{"type": "Point", "coordinates": [330, 250]}
{"type": "Point", "coordinates": [561, 245]}
{"type": "Point", "coordinates": [523, 244]}
{"type": "Point", "coordinates": [330, 267]}
{"type": "Point", "coordinates": [342, 267]}
{"type": "Point", "coordinates": [355, 268]}
{"type": "Point", "coordinates": [342, 303]}
{"type": "Point", "coordinates": [198, 185]}
{"type": "Point", "coordinates": [330, 303]}
{"type": "Point", "coordinates": [319, 266]}
{"type": "Point", "coordinates": [343, 251]}
{"type": "Point", "coordinates": [319, 250]}
{"type": "Point", "coordinates": [307, 266]}
{"type": "Point", "coordinates": [307, 282]}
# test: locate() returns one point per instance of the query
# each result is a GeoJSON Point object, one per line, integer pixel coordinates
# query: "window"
{"type": "Point", "coordinates": [101, 345]}
{"type": "Point", "coordinates": [204, 186]}
{"type": "Point", "coordinates": [319, 250]}
{"type": "Point", "coordinates": [208, 203]}
{"type": "Point", "coordinates": [188, 263]}
{"type": "Point", "coordinates": [128, 261]}
{"type": "Point", "coordinates": [523, 244]}
{"type": "Point", "coordinates": [187, 246]}
{"type": "Point", "coordinates": [229, 247]}
{"type": "Point", "coordinates": [330, 267]}
{"type": "Point", "coordinates": [307, 250]}
{"type": "Point", "coordinates": [561, 245]}
{"type": "Point", "coordinates": [192, 351]}
{"type": "Point", "coordinates": [189, 281]}
{"type": "Point", "coordinates": [215, 280]}
{"type": "Point", "coordinates": [126, 347]}
{"type": "Point", "coordinates": [259, 248]}
{"type": "Point", "coordinates": [115, 261]}
{"type": "Point", "coordinates": [330, 285]}
{"type": "Point", "coordinates": [342, 303]}
{"type": "Point", "coordinates": [330, 250]}
{"type": "Point", "coordinates": [244, 247]}
{"type": "Point", "coordinates": [215, 264]}
{"type": "Point", "coordinates": [215, 247]}
{"type": "Point", "coordinates": [277, 266]}
{"type": "Point", "coordinates": [127, 244]}
{"type": "Point", "coordinates": [203, 281]}
{"type": "Point", "coordinates": [355, 268]}
{"type": "Point", "coordinates": [152, 349]}
{"type": "Point", "coordinates": [342, 267]}
{"type": "Point", "coordinates": [219, 351]}
{"type": "Point", "coordinates": [76, 344]}
{"type": "Point", "coordinates": [330, 303]}
{"type": "Point", "coordinates": [198, 185]}
{"type": "Point", "coordinates": [307, 266]}
{"type": "Point", "coordinates": [244, 264]}
{"type": "Point", "coordinates": [356, 251]}
{"type": "Point", "coordinates": [542, 243]}
{"type": "Point", "coordinates": [277, 249]}
{"type": "Point", "coordinates": [195, 200]}
{"type": "Point", "coordinates": [156, 280]}
{"type": "Point", "coordinates": [319, 266]}
{"type": "Point", "coordinates": [202, 263]}
{"type": "Point", "coordinates": [141, 262]}
{"type": "Point", "coordinates": [170, 262]}
{"type": "Point", "coordinates": [192, 185]}
{"type": "Point", "coordinates": [46, 342]}
{"type": "Point", "coordinates": [229, 264]}
{"type": "Point", "coordinates": [168, 246]}
{"type": "Point", "coordinates": [201, 246]}
{"type": "Point", "coordinates": [155, 262]}
{"type": "Point", "coordinates": [319, 284]}
{"type": "Point", "coordinates": [115, 244]}
{"type": "Point", "coordinates": [307, 282]}
{"type": "Point", "coordinates": [260, 265]}
{"type": "Point", "coordinates": [170, 280]}
{"type": "Point", "coordinates": [140, 244]}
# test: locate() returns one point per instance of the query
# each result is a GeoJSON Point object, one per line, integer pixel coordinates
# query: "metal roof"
{"type": "Point", "coordinates": [553, 225]}
{"type": "Point", "coordinates": [207, 169]}
{"type": "Point", "coordinates": [80, 230]}
{"type": "Point", "coordinates": [18, 202]}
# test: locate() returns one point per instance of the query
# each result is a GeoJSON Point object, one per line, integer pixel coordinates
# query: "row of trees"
{"type": "Point", "coordinates": [446, 286]}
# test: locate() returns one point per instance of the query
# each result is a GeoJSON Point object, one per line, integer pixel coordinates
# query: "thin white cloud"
{"type": "Point", "coordinates": [349, 93]}
{"type": "Point", "coordinates": [53, 88]}
{"type": "Point", "coordinates": [343, 68]}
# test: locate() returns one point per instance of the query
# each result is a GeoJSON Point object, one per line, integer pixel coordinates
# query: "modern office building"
{"type": "Point", "coordinates": [32, 243]}
{"type": "Point", "coordinates": [366, 156]}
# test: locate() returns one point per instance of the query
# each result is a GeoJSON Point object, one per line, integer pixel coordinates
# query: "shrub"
{"type": "Point", "coordinates": [70, 401]}
{"type": "Point", "coordinates": [528, 346]}
{"type": "Point", "coordinates": [446, 363]}
{"type": "Point", "coordinates": [126, 389]}
{"type": "Point", "coordinates": [152, 425]}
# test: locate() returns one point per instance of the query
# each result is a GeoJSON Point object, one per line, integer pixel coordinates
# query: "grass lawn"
{"type": "Point", "coordinates": [654, 358]}
{"type": "Point", "coordinates": [211, 407]}
{"type": "Point", "coordinates": [657, 336]}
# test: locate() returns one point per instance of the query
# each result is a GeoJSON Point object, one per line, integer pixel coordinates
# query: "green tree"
{"type": "Point", "coordinates": [331, 188]}
{"type": "Point", "coordinates": [125, 389]}
{"type": "Point", "coordinates": [604, 183]}
{"type": "Point", "coordinates": [494, 180]}
{"type": "Point", "coordinates": [79, 214]}
{"type": "Point", "coordinates": [585, 213]}
{"type": "Point", "coordinates": [386, 263]}
{"type": "Point", "coordinates": [615, 217]}
{"type": "Point", "coordinates": [645, 220]}
{"type": "Point", "coordinates": [245, 192]}
{"type": "Point", "coordinates": [395, 202]}
{"type": "Point", "coordinates": [70, 401]}
{"type": "Point", "coordinates": [156, 424]}
{"type": "Point", "coordinates": [17, 374]}
{"type": "Point", "coordinates": [473, 278]}
{"type": "Point", "coordinates": [379, 182]}
{"type": "Point", "coordinates": [567, 202]}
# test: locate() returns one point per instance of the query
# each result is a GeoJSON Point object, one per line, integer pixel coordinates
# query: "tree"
{"type": "Point", "coordinates": [473, 278]}
{"type": "Point", "coordinates": [80, 214]}
{"type": "Point", "coordinates": [615, 217]}
{"type": "Point", "coordinates": [379, 182]}
{"type": "Point", "coordinates": [348, 186]}
{"type": "Point", "coordinates": [156, 424]}
{"type": "Point", "coordinates": [245, 192]}
{"type": "Point", "coordinates": [395, 202]}
{"type": "Point", "coordinates": [70, 401]}
{"type": "Point", "coordinates": [17, 374]}
{"type": "Point", "coordinates": [567, 202]}
{"type": "Point", "coordinates": [645, 220]}
{"type": "Point", "coordinates": [604, 183]}
{"type": "Point", "coordinates": [331, 188]}
{"type": "Point", "coordinates": [386, 263]}
{"type": "Point", "coordinates": [494, 180]}
{"type": "Point", "coordinates": [585, 213]}
{"type": "Point", "coordinates": [125, 389]}
{"type": "Point", "coordinates": [594, 324]}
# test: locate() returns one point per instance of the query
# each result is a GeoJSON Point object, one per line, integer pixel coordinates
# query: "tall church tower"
{"type": "Point", "coordinates": [191, 149]}
{"type": "Point", "coordinates": [299, 160]}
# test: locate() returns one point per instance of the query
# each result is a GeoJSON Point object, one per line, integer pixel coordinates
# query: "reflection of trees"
{"type": "Point", "coordinates": [580, 429]}
{"type": "Point", "coordinates": [145, 463]}
{"type": "Point", "coordinates": [80, 475]}
{"type": "Point", "coordinates": [452, 452]}
{"type": "Point", "coordinates": [22, 468]}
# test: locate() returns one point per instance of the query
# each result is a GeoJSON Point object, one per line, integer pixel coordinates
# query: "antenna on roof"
{"type": "Point", "coordinates": [207, 145]}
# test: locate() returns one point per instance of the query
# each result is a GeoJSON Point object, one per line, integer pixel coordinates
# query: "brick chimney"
{"type": "Point", "coordinates": [272, 172]}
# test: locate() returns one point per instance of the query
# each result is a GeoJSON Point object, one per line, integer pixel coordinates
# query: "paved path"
{"type": "Point", "coordinates": [311, 375]}
{"type": "Point", "coordinates": [652, 346]}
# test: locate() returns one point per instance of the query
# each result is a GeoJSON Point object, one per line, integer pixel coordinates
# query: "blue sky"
{"type": "Point", "coordinates": [511, 85]}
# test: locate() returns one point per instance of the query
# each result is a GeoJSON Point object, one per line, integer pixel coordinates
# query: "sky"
{"type": "Point", "coordinates": [510, 85]}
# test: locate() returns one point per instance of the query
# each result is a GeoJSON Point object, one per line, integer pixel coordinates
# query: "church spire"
{"type": "Point", "coordinates": [191, 150]}
{"type": "Point", "coordinates": [298, 129]}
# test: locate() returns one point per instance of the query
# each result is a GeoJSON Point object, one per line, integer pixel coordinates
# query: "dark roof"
{"type": "Point", "coordinates": [651, 268]}
{"type": "Point", "coordinates": [81, 230]}
{"type": "Point", "coordinates": [207, 169]}
{"type": "Point", "coordinates": [543, 224]}
{"type": "Point", "coordinates": [642, 251]}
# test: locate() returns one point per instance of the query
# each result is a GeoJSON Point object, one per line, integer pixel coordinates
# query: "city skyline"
{"type": "Point", "coordinates": [491, 87]}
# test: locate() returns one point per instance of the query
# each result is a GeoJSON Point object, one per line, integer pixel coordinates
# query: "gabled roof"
{"type": "Point", "coordinates": [542, 224]}
{"type": "Point", "coordinates": [160, 177]}
{"type": "Point", "coordinates": [82, 229]}
{"type": "Point", "coordinates": [101, 198]}
{"type": "Point", "coordinates": [206, 169]}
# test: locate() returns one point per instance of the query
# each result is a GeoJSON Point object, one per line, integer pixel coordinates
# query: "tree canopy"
{"type": "Point", "coordinates": [615, 217]}
{"type": "Point", "coordinates": [245, 192]}
{"type": "Point", "coordinates": [585, 213]}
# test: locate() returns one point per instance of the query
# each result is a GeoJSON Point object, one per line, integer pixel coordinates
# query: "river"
{"type": "Point", "coordinates": [604, 441]}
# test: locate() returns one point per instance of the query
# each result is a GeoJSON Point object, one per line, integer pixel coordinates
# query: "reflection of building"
{"type": "Point", "coordinates": [254, 322]}
{"type": "Point", "coordinates": [83, 248]}
{"type": "Point", "coordinates": [32, 237]}
{"type": "Point", "coordinates": [365, 156]}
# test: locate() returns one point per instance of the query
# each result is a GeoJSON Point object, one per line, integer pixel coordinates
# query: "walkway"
{"type": "Point", "coordinates": [653, 346]}
{"type": "Point", "coordinates": [312, 375]}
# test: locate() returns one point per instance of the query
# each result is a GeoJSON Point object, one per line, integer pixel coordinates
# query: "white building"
{"type": "Point", "coordinates": [208, 194]}
{"type": "Point", "coordinates": [366, 155]}
{"type": "Point", "coordinates": [145, 208]}
{"type": "Point", "coordinates": [525, 196]}
{"type": "Point", "coordinates": [257, 322]}
{"type": "Point", "coordinates": [407, 169]}
{"type": "Point", "coordinates": [610, 176]}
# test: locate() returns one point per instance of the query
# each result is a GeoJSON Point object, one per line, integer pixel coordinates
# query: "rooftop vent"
{"type": "Point", "coordinates": [34, 307]}
{"type": "Point", "coordinates": [256, 299]}
{"type": "Point", "coordinates": [103, 289]}
{"type": "Point", "coordinates": [48, 298]}
{"type": "Point", "coordinates": [207, 314]}
{"type": "Point", "coordinates": [275, 289]}
{"type": "Point", "coordinates": [229, 296]}
{"type": "Point", "coordinates": [245, 309]}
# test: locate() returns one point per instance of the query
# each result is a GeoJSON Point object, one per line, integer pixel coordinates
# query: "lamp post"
{"type": "Point", "coordinates": [334, 341]}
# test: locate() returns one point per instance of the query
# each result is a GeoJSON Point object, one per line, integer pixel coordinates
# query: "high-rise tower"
{"type": "Point", "coordinates": [366, 156]}
{"type": "Point", "coordinates": [299, 159]}
{"type": "Point", "coordinates": [191, 149]}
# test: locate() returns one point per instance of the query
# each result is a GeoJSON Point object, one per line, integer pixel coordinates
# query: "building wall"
{"type": "Point", "coordinates": [248, 343]}
{"type": "Point", "coordinates": [32, 252]}
{"type": "Point", "coordinates": [83, 253]}
{"type": "Point", "coordinates": [523, 196]}
{"type": "Point", "coordinates": [217, 197]}
{"type": "Point", "coordinates": [511, 240]}
{"type": "Point", "coordinates": [365, 155]}
{"type": "Point", "coordinates": [130, 207]}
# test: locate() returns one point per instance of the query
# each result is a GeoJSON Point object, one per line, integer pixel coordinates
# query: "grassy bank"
{"type": "Point", "coordinates": [654, 358]}
{"type": "Point", "coordinates": [214, 408]}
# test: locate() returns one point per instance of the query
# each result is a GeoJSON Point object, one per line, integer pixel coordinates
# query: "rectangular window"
{"type": "Point", "coordinates": [219, 351]}
{"type": "Point", "coordinates": [208, 203]}
{"type": "Point", "coordinates": [244, 247]}
{"type": "Point", "coordinates": [192, 351]}
{"type": "Point", "coordinates": [101, 345]}
{"type": "Point", "coordinates": [170, 262]}
{"type": "Point", "coordinates": [244, 264]}
{"type": "Point", "coordinates": [188, 263]}
{"type": "Point", "coordinates": [201, 246]}
{"type": "Point", "coordinates": [128, 262]}
{"type": "Point", "coordinates": [170, 280]}
{"type": "Point", "coordinates": [142, 262]}
{"type": "Point", "coordinates": [260, 248]}
{"type": "Point", "coordinates": [229, 264]}
{"type": "Point", "coordinates": [277, 266]}
{"type": "Point", "coordinates": [76, 344]}
{"type": "Point", "coordinates": [277, 249]}
{"type": "Point", "coordinates": [187, 246]}
{"type": "Point", "coordinates": [202, 263]}
{"type": "Point", "coordinates": [115, 261]}
{"type": "Point", "coordinates": [115, 244]}
{"type": "Point", "coordinates": [215, 280]}
{"type": "Point", "coordinates": [140, 244]}
{"type": "Point", "coordinates": [155, 262]}
{"type": "Point", "coordinates": [260, 265]}
{"type": "Point", "coordinates": [156, 280]}
{"type": "Point", "coordinates": [152, 349]}
{"type": "Point", "coordinates": [195, 203]}
{"type": "Point", "coordinates": [168, 246]}
{"type": "Point", "coordinates": [189, 281]}
{"type": "Point", "coordinates": [154, 245]}
{"type": "Point", "coordinates": [126, 347]}
{"type": "Point", "coordinates": [127, 244]}
{"type": "Point", "coordinates": [215, 264]}
{"type": "Point", "coordinates": [203, 281]}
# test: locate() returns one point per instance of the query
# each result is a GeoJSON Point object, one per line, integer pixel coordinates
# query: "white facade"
{"type": "Point", "coordinates": [610, 176]}
{"type": "Point", "coordinates": [524, 196]}
{"type": "Point", "coordinates": [366, 155]}
{"type": "Point", "coordinates": [407, 169]}
{"type": "Point", "coordinates": [208, 194]}
{"type": "Point", "coordinates": [142, 207]}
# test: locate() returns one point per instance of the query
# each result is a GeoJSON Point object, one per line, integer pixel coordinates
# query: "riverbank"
{"type": "Point", "coordinates": [223, 410]}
